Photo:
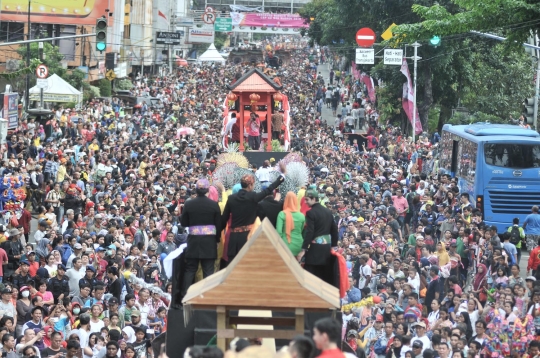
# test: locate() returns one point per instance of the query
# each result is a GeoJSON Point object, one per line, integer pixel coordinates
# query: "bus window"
{"type": "Point", "coordinates": [468, 160]}
{"type": "Point", "coordinates": [446, 151]}
{"type": "Point", "coordinates": [506, 155]}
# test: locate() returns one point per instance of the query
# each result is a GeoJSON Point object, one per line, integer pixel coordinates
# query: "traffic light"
{"type": "Point", "coordinates": [435, 41]}
{"type": "Point", "coordinates": [529, 110]}
{"type": "Point", "coordinates": [101, 34]}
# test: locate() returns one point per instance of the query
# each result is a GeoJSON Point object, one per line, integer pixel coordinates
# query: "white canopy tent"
{"type": "Point", "coordinates": [211, 55]}
{"type": "Point", "coordinates": [57, 90]}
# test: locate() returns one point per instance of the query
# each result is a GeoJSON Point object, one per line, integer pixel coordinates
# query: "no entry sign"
{"type": "Point", "coordinates": [365, 37]}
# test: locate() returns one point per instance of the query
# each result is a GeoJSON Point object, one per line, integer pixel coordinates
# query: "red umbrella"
{"type": "Point", "coordinates": [181, 62]}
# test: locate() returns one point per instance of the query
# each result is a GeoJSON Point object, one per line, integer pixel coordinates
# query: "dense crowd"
{"type": "Point", "coordinates": [109, 189]}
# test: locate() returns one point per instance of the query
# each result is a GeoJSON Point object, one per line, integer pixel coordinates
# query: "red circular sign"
{"type": "Point", "coordinates": [365, 37]}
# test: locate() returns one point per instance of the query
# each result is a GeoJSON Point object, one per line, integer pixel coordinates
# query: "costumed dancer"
{"type": "Point", "coordinates": [320, 235]}
{"type": "Point", "coordinates": [203, 217]}
{"type": "Point", "coordinates": [242, 208]}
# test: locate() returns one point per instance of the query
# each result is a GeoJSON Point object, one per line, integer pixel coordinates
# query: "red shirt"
{"type": "Point", "coordinates": [331, 353]}
{"type": "Point", "coordinates": [3, 258]}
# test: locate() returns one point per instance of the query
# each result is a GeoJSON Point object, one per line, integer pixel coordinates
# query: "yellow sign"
{"type": "Point", "coordinates": [387, 35]}
{"type": "Point", "coordinates": [110, 75]}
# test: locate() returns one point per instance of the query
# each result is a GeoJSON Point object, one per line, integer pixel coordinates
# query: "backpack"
{"type": "Point", "coordinates": [515, 235]}
{"type": "Point", "coordinates": [66, 254]}
{"type": "Point", "coordinates": [379, 348]}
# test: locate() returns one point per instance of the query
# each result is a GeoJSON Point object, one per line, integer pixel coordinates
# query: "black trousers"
{"type": "Point", "coordinates": [276, 134]}
{"type": "Point", "coordinates": [324, 272]}
{"type": "Point", "coordinates": [192, 266]}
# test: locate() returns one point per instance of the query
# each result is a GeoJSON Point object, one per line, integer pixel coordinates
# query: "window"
{"type": "Point", "coordinates": [11, 31]}
{"type": "Point", "coordinates": [511, 155]}
{"type": "Point", "coordinates": [467, 160]}
{"type": "Point", "coordinates": [445, 161]}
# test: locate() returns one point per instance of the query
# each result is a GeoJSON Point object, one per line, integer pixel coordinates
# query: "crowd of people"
{"type": "Point", "coordinates": [115, 192]}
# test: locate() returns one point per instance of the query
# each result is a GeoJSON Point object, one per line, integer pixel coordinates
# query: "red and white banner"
{"type": "Point", "coordinates": [367, 80]}
{"type": "Point", "coordinates": [268, 20]}
{"type": "Point", "coordinates": [408, 98]}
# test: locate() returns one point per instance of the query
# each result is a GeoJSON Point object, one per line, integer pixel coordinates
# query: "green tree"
{"type": "Point", "coordinates": [52, 57]}
{"type": "Point", "coordinates": [77, 79]}
{"type": "Point", "coordinates": [105, 87]}
{"type": "Point", "coordinates": [515, 19]}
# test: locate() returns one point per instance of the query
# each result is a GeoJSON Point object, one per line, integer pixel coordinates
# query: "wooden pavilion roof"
{"type": "Point", "coordinates": [264, 274]}
{"type": "Point", "coordinates": [254, 81]}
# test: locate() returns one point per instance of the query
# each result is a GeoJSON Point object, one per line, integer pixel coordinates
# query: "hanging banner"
{"type": "Point", "coordinates": [408, 98]}
{"type": "Point", "coordinates": [267, 20]}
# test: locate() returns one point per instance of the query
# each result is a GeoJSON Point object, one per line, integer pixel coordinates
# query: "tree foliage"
{"type": "Point", "coordinates": [464, 70]}
{"type": "Point", "coordinates": [512, 18]}
{"type": "Point", "coordinates": [52, 57]}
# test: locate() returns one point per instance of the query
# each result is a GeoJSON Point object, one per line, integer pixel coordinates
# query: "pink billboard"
{"type": "Point", "coordinates": [267, 20]}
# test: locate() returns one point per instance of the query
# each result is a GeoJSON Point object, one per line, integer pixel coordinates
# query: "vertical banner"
{"type": "Point", "coordinates": [367, 80]}
{"type": "Point", "coordinates": [11, 111]}
{"type": "Point", "coordinates": [408, 98]}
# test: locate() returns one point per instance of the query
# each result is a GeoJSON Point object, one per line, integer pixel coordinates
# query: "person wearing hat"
{"type": "Point", "coordinates": [202, 216]}
{"type": "Point", "coordinates": [417, 348]}
{"type": "Point", "coordinates": [89, 277]}
{"type": "Point", "coordinates": [421, 336]}
{"type": "Point", "coordinates": [7, 309]}
{"type": "Point", "coordinates": [59, 284]}
{"type": "Point", "coordinates": [320, 235]}
{"type": "Point", "coordinates": [77, 251]}
{"type": "Point", "coordinates": [23, 277]}
{"type": "Point", "coordinates": [14, 250]}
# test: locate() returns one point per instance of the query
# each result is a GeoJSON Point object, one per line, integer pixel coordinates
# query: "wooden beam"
{"type": "Point", "coordinates": [271, 321]}
{"type": "Point", "coordinates": [221, 325]}
{"type": "Point", "coordinates": [299, 326]}
{"type": "Point", "coordinates": [255, 333]}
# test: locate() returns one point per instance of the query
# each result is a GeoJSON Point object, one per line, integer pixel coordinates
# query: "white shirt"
{"type": "Point", "coordinates": [365, 271]}
{"type": "Point", "coordinates": [38, 235]}
{"type": "Point", "coordinates": [263, 174]}
{"type": "Point", "coordinates": [96, 326]}
{"type": "Point", "coordinates": [144, 309]}
{"type": "Point", "coordinates": [432, 318]}
{"type": "Point", "coordinates": [73, 277]}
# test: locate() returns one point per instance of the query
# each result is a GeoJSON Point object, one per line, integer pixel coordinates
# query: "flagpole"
{"type": "Point", "coordinates": [415, 45]}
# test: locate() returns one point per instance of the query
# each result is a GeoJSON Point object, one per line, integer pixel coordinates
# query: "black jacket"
{"type": "Point", "coordinates": [20, 280]}
{"type": "Point", "coordinates": [198, 212]}
{"type": "Point", "coordinates": [269, 208]}
{"type": "Point", "coordinates": [58, 286]}
{"type": "Point", "coordinates": [319, 221]}
{"type": "Point", "coordinates": [243, 205]}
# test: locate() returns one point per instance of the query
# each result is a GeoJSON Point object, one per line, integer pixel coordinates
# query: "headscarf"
{"type": "Point", "coordinates": [46, 329]}
{"type": "Point", "coordinates": [478, 280]}
{"type": "Point", "coordinates": [289, 206]}
{"type": "Point", "coordinates": [213, 194]}
{"type": "Point", "coordinates": [130, 333]}
{"type": "Point", "coordinates": [41, 248]}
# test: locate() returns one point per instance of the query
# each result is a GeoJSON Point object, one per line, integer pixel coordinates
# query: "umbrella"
{"type": "Point", "coordinates": [185, 131]}
{"type": "Point", "coordinates": [181, 62]}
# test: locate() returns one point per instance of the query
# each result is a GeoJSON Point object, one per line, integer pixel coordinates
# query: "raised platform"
{"type": "Point", "coordinates": [257, 158]}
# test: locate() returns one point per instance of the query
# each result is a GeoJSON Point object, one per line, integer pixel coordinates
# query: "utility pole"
{"type": "Point", "coordinates": [27, 92]}
{"type": "Point", "coordinates": [41, 89]}
{"type": "Point", "coordinates": [416, 45]}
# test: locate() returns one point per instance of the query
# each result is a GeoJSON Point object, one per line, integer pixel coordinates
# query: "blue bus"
{"type": "Point", "coordinates": [498, 165]}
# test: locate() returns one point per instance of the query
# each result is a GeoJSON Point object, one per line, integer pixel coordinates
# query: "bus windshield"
{"type": "Point", "coordinates": [511, 155]}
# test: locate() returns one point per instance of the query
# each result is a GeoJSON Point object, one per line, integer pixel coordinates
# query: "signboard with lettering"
{"type": "Point", "coordinates": [11, 112]}
{"type": "Point", "coordinates": [168, 38]}
{"type": "Point", "coordinates": [365, 56]}
{"type": "Point", "coordinates": [393, 57]}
